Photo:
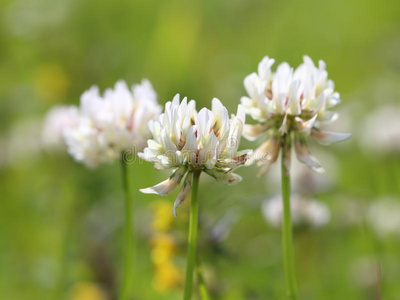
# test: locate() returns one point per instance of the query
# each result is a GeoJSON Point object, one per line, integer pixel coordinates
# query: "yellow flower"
{"type": "Point", "coordinates": [163, 248]}
{"type": "Point", "coordinates": [51, 82]}
{"type": "Point", "coordinates": [87, 291]}
{"type": "Point", "coordinates": [167, 276]}
{"type": "Point", "coordinates": [163, 218]}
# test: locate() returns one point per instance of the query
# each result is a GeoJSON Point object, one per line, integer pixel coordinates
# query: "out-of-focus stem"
{"type": "Point", "coordinates": [126, 291]}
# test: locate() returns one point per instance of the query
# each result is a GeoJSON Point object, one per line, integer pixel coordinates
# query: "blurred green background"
{"type": "Point", "coordinates": [61, 224]}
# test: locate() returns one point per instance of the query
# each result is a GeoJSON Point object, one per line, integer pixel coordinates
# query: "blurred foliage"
{"type": "Point", "coordinates": [60, 224]}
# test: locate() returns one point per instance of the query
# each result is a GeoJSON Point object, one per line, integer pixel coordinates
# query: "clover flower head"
{"type": "Point", "coordinates": [57, 120]}
{"type": "Point", "coordinates": [112, 123]}
{"type": "Point", "coordinates": [295, 102]}
{"type": "Point", "coordinates": [383, 216]}
{"type": "Point", "coordinates": [304, 211]}
{"type": "Point", "coordinates": [186, 140]}
{"type": "Point", "coordinates": [381, 131]}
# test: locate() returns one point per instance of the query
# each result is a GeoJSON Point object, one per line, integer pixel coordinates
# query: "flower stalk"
{"type": "Point", "coordinates": [126, 291]}
{"type": "Point", "coordinates": [200, 279]}
{"type": "Point", "coordinates": [287, 234]}
{"type": "Point", "coordinates": [192, 240]}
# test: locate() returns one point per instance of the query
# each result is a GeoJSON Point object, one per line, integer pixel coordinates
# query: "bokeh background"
{"type": "Point", "coordinates": [61, 224]}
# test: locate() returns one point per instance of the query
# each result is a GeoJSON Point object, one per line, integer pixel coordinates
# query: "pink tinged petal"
{"type": "Point", "coordinates": [166, 187]}
{"type": "Point", "coordinates": [327, 138]}
{"type": "Point", "coordinates": [305, 126]}
{"type": "Point", "coordinates": [184, 192]}
{"type": "Point", "coordinates": [305, 157]}
{"type": "Point", "coordinates": [253, 132]}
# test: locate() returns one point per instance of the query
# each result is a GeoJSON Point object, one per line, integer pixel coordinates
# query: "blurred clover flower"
{"type": "Point", "coordinates": [290, 102]}
{"type": "Point", "coordinates": [187, 142]}
{"type": "Point", "coordinates": [383, 216]}
{"type": "Point", "coordinates": [57, 120]}
{"type": "Point", "coordinates": [304, 211]}
{"type": "Point", "coordinates": [113, 126]}
{"type": "Point", "coordinates": [113, 123]}
{"type": "Point", "coordinates": [381, 130]}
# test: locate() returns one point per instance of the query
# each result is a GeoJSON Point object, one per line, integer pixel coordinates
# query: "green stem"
{"type": "Point", "coordinates": [202, 284]}
{"type": "Point", "coordinates": [68, 226]}
{"type": "Point", "coordinates": [126, 291]}
{"type": "Point", "coordinates": [287, 235]}
{"type": "Point", "coordinates": [192, 241]}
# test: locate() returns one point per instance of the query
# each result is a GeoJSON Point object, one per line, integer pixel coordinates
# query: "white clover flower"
{"type": "Point", "coordinates": [294, 102]}
{"type": "Point", "coordinates": [304, 211]}
{"type": "Point", "coordinates": [381, 130]}
{"type": "Point", "coordinates": [57, 120]}
{"type": "Point", "coordinates": [112, 123]}
{"type": "Point", "coordinates": [364, 271]}
{"type": "Point", "coordinates": [384, 216]}
{"type": "Point", "coordinates": [187, 141]}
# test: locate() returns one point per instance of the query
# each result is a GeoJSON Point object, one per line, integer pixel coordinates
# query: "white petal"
{"type": "Point", "coordinates": [221, 117]}
{"type": "Point", "coordinates": [294, 97]}
{"type": "Point", "coordinates": [327, 138]}
{"type": "Point", "coordinates": [251, 84]}
{"type": "Point", "coordinates": [190, 148]}
{"type": "Point", "coordinates": [207, 155]}
{"type": "Point", "coordinates": [304, 156]}
{"type": "Point", "coordinates": [284, 127]}
{"type": "Point", "coordinates": [305, 126]}
{"type": "Point", "coordinates": [184, 192]}
{"type": "Point", "coordinates": [241, 114]}
{"type": "Point", "coordinates": [204, 121]}
{"type": "Point", "coordinates": [167, 186]}
{"type": "Point", "coordinates": [252, 132]}
{"type": "Point", "coordinates": [267, 153]}
{"type": "Point", "coordinates": [264, 67]}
